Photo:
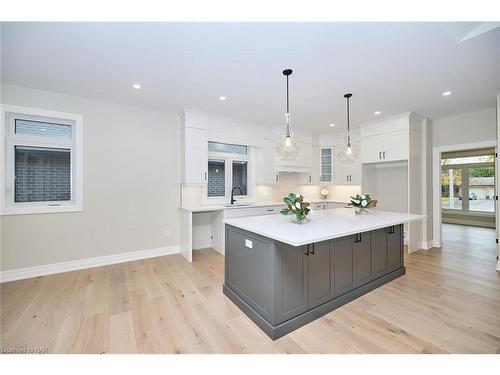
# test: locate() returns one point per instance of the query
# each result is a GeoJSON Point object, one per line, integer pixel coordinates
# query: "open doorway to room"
{"type": "Point", "coordinates": [464, 188]}
{"type": "Point", "coordinates": [468, 187]}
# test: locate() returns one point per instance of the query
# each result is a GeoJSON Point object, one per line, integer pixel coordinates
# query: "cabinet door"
{"type": "Point", "coordinates": [379, 252]}
{"type": "Point", "coordinates": [266, 164]}
{"type": "Point", "coordinates": [291, 281]}
{"type": "Point", "coordinates": [396, 146]}
{"type": "Point", "coordinates": [347, 173]}
{"type": "Point", "coordinates": [371, 149]}
{"type": "Point", "coordinates": [394, 247]}
{"type": "Point", "coordinates": [196, 156]}
{"type": "Point", "coordinates": [343, 266]}
{"type": "Point", "coordinates": [354, 172]}
{"type": "Point", "coordinates": [320, 273]}
{"type": "Point", "coordinates": [362, 258]}
{"type": "Point", "coordinates": [326, 165]}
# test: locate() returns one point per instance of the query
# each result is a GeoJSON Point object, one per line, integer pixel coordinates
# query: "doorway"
{"type": "Point", "coordinates": [464, 194]}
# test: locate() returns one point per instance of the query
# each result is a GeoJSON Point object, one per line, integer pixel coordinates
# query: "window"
{"type": "Point", "coordinates": [468, 181]}
{"type": "Point", "coordinates": [228, 167]}
{"type": "Point", "coordinates": [42, 161]}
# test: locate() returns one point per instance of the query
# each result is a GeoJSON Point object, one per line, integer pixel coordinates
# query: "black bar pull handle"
{"type": "Point", "coordinates": [307, 251]}
{"type": "Point", "coordinates": [312, 251]}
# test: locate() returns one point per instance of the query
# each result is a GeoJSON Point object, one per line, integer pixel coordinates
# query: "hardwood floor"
{"type": "Point", "coordinates": [449, 301]}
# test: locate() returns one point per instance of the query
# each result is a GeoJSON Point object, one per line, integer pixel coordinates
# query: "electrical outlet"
{"type": "Point", "coordinates": [167, 232]}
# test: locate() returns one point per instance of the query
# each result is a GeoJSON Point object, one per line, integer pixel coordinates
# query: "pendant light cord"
{"type": "Point", "coordinates": [348, 96]}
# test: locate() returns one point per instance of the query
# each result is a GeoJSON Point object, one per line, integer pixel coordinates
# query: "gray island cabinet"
{"type": "Point", "coordinates": [282, 287]}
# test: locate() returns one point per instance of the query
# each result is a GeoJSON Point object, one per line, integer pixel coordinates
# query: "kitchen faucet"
{"type": "Point", "coordinates": [232, 193]}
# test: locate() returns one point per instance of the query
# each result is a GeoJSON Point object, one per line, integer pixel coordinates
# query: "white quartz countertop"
{"type": "Point", "coordinates": [221, 207]}
{"type": "Point", "coordinates": [324, 225]}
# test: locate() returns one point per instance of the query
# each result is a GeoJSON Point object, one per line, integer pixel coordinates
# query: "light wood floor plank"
{"type": "Point", "coordinates": [448, 302]}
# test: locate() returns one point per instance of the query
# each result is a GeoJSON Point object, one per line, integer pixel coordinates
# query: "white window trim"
{"type": "Point", "coordinates": [228, 158]}
{"type": "Point", "coordinates": [7, 207]}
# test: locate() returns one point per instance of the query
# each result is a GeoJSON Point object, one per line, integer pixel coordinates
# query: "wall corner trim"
{"type": "Point", "coordinates": [74, 265]}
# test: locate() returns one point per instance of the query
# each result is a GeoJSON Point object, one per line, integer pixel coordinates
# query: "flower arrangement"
{"type": "Point", "coordinates": [297, 207]}
{"type": "Point", "coordinates": [361, 202]}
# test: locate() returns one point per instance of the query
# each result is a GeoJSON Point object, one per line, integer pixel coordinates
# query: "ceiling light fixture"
{"type": "Point", "coordinates": [447, 93]}
{"type": "Point", "coordinates": [136, 86]}
{"type": "Point", "coordinates": [376, 113]}
{"type": "Point", "coordinates": [332, 125]}
{"type": "Point", "coordinates": [286, 146]}
{"type": "Point", "coordinates": [222, 98]}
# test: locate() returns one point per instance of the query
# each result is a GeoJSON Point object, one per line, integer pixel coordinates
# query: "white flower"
{"type": "Point", "coordinates": [364, 202]}
{"type": "Point", "coordinates": [363, 197]}
{"type": "Point", "coordinates": [293, 207]}
{"type": "Point", "coordinates": [297, 204]}
{"type": "Point", "coordinates": [356, 201]}
{"type": "Point", "coordinates": [297, 195]}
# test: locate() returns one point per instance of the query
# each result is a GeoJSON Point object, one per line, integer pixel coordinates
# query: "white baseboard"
{"type": "Point", "coordinates": [426, 245]}
{"type": "Point", "coordinates": [201, 247]}
{"type": "Point", "coordinates": [73, 265]}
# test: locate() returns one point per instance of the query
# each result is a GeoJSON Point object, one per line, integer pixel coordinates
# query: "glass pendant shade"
{"type": "Point", "coordinates": [286, 146]}
{"type": "Point", "coordinates": [347, 153]}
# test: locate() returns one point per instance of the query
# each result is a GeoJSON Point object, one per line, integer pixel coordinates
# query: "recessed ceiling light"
{"type": "Point", "coordinates": [222, 98]}
{"type": "Point", "coordinates": [332, 125]}
{"type": "Point", "coordinates": [136, 86]}
{"type": "Point", "coordinates": [446, 93]}
{"type": "Point", "coordinates": [376, 113]}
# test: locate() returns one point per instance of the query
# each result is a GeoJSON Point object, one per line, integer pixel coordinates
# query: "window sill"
{"type": "Point", "coordinates": [39, 210]}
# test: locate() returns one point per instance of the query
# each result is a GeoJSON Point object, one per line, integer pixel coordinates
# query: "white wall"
{"type": "Point", "coordinates": [465, 128]}
{"type": "Point", "coordinates": [130, 185]}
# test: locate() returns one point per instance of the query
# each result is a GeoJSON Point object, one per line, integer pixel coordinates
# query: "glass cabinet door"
{"type": "Point", "coordinates": [326, 164]}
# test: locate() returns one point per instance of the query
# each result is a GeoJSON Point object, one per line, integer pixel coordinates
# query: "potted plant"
{"type": "Point", "coordinates": [362, 202]}
{"type": "Point", "coordinates": [297, 208]}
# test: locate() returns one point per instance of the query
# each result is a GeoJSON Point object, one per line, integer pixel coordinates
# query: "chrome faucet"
{"type": "Point", "coordinates": [232, 193]}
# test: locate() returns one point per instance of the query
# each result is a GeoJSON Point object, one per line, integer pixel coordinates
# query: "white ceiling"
{"type": "Point", "coordinates": [391, 67]}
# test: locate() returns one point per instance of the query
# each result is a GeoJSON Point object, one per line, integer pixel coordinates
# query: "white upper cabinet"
{"type": "Point", "coordinates": [326, 165]}
{"type": "Point", "coordinates": [195, 149]}
{"type": "Point", "coordinates": [347, 174]}
{"type": "Point", "coordinates": [311, 177]}
{"type": "Point", "coordinates": [265, 171]}
{"type": "Point", "coordinates": [388, 140]}
{"type": "Point", "coordinates": [385, 147]}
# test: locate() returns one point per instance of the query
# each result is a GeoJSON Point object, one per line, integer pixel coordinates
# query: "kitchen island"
{"type": "Point", "coordinates": [285, 275]}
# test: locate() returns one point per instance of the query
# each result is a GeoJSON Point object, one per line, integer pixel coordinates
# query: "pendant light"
{"type": "Point", "coordinates": [350, 151]}
{"type": "Point", "coordinates": [287, 147]}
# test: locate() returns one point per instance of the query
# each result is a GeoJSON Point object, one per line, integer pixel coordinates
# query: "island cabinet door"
{"type": "Point", "coordinates": [343, 265]}
{"type": "Point", "coordinates": [320, 273]}
{"type": "Point", "coordinates": [362, 258]}
{"type": "Point", "coordinates": [379, 252]}
{"type": "Point", "coordinates": [394, 247]}
{"type": "Point", "coordinates": [291, 281]}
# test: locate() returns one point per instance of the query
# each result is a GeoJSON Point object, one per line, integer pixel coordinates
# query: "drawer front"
{"type": "Point", "coordinates": [318, 206]}
{"type": "Point", "coordinates": [271, 210]}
